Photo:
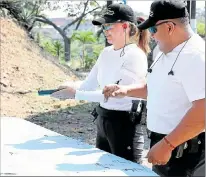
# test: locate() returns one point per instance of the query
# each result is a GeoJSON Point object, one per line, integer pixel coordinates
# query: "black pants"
{"type": "Point", "coordinates": [200, 168]}
{"type": "Point", "coordinates": [115, 133]}
{"type": "Point", "coordinates": [183, 166]}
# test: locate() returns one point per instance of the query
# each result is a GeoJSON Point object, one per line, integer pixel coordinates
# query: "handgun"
{"type": "Point", "coordinates": [47, 92]}
{"type": "Point", "coordinates": [180, 149]}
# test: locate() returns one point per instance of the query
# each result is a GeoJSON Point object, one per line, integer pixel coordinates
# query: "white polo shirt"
{"type": "Point", "coordinates": [170, 97]}
{"type": "Point", "coordinates": [131, 68]}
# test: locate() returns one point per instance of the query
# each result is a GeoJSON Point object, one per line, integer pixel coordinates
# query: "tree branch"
{"type": "Point", "coordinates": [34, 9]}
{"type": "Point", "coordinates": [43, 19]}
{"type": "Point", "coordinates": [83, 15]}
{"type": "Point", "coordinates": [85, 7]}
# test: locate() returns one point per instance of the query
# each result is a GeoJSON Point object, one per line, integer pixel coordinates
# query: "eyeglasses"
{"type": "Point", "coordinates": [153, 29]}
{"type": "Point", "coordinates": [107, 26]}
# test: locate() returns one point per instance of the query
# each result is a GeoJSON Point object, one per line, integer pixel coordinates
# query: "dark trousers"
{"type": "Point", "coordinates": [183, 166]}
{"type": "Point", "coordinates": [115, 133]}
{"type": "Point", "coordinates": [200, 168]}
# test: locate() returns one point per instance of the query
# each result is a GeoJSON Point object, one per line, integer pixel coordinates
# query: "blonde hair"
{"type": "Point", "coordinates": [140, 37]}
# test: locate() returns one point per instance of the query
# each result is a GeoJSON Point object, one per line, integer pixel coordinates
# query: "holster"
{"type": "Point", "coordinates": [136, 111]}
{"type": "Point", "coordinates": [94, 114]}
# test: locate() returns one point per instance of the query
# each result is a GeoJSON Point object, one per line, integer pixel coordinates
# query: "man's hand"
{"type": "Point", "coordinates": [64, 93]}
{"type": "Point", "coordinates": [114, 90]}
{"type": "Point", "coordinates": [160, 153]}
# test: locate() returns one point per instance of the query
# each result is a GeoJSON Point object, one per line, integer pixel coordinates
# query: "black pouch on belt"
{"type": "Point", "coordinates": [136, 111]}
{"type": "Point", "coordinates": [94, 114]}
{"type": "Point", "coordinates": [192, 146]}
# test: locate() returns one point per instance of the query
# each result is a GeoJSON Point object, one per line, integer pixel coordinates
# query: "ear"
{"type": "Point", "coordinates": [170, 28]}
{"type": "Point", "coordinates": [124, 26]}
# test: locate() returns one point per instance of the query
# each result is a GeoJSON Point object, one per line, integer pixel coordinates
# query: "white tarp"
{"type": "Point", "coordinates": [29, 149]}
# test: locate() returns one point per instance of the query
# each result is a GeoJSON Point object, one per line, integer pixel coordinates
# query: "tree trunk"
{"type": "Point", "coordinates": [189, 8]}
{"type": "Point", "coordinates": [106, 43]}
{"type": "Point", "coordinates": [58, 52]}
{"type": "Point", "coordinates": [83, 59]}
{"type": "Point", "coordinates": [67, 48]}
{"type": "Point", "coordinates": [193, 20]}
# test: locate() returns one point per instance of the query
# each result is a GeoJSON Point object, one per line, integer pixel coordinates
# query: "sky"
{"type": "Point", "coordinates": [139, 6]}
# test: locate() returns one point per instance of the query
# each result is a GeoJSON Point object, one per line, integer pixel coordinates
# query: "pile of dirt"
{"type": "Point", "coordinates": [25, 70]}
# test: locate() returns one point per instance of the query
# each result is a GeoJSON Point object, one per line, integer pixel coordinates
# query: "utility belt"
{"type": "Point", "coordinates": [192, 146]}
{"type": "Point", "coordinates": [134, 115]}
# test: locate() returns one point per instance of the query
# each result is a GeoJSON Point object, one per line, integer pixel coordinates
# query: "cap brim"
{"type": "Point", "coordinates": [103, 20]}
{"type": "Point", "coordinates": [147, 24]}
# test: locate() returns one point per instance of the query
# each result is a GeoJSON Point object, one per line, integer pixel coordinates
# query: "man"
{"type": "Point", "coordinates": [123, 62]}
{"type": "Point", "coordinates": [175, 91]}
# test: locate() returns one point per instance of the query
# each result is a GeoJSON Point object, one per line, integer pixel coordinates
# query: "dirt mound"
{"type": "Point", "coordinates": [25, 69]}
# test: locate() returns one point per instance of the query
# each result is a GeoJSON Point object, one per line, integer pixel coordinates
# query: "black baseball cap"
{"type": "Point", "coordinates": [163, 10]}
{"type": "Point", "coordinates": [116, 12]}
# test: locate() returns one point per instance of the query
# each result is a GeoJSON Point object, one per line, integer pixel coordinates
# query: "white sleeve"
{"type": "Point", "coordinates": [90, 83]}
{"type": "Point", "coordinates": [96, 96]}
{"type": "Point", "coordinates": [134, 69]}
{"type": "Point", "coordinates": [193, 77]}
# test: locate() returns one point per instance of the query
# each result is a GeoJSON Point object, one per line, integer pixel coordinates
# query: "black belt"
{"type": "Point", "coordinates": [134, 115]}
{"type": "Point", "coordinates": [111, 113]}
{"type": "Point", "coordinates": [193, 145]}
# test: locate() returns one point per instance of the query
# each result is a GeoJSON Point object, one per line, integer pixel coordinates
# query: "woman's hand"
{"type": "Point", "coordinates": [65, 92]}
{"type": "Point", "coordinates": [114, 90]}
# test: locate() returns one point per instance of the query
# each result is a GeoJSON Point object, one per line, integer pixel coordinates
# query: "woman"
{"type": "Point", "coordinates": [125, 63]}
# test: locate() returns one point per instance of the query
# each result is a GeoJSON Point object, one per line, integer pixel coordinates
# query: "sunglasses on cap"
{"type": "Point", "coordinates": [153, 29]}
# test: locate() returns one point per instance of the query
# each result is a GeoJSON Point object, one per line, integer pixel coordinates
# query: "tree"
{"type": "Point", "coordinates": [28, 13]}
{"type": "Point", "coordinates": [38, 38]}
{"type": "Point", "coordinates": [84, 37]}
{"type": "Point", "coordinates": [74, 12]}
{"type": "Point", "coordinates": [24, 11]}
{"type": "Point", "coordinates": [108, 4]}
{"type": "Point", "coordinates": [201, 29]}
{"type": "Point", "coordinates": [57, 48]}
{"type": "Point", "coordinates": [200, 14]}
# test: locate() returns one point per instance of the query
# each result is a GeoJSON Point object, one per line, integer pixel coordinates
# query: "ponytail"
{"type": "Point", "coordinates": [140, 37]}
{"type": "Point", "coordinates": [143, 37]}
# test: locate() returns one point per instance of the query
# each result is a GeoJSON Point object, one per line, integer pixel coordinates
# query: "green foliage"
{"type": "Point", "coordinates": [84, 37]}
{"type": "Point", "coordinates": [82, 47]}
{"type": "Point", "coordinates": [90, 59]}
{"type": "Point", "coordinates": [24, 11]}
{"type": "Point", "coordinates": [54, 47]}
{"type": "Point", "coordinates": [38, 38]}
{"type": "Point", "coordinates": [48, 46]}
{"type": "Point", "coordinates": [97, 50]}
{"type": "Point", "coordinates": [76, 47]}
{"type": "Point", "coordinates": [201, 29]}
{"type": "Point", "coordinates": [58, 47]}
